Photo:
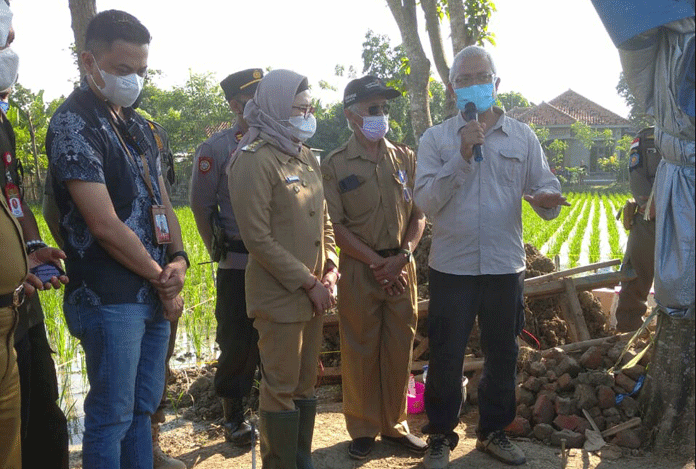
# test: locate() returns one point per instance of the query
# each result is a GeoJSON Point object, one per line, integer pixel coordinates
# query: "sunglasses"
{"type": "Point", "coordinates": [378, 109]}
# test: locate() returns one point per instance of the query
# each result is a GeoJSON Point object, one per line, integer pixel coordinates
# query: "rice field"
{"type": "Point", "coordinates": [584, 233]}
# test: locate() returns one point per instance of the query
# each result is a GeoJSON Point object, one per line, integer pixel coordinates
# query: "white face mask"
{"type": "Point", "coordinates": [121, 91]}
{"type": "Point", "coordinates": [374, 128]}
{"type": "Point", "coordinates": [9, 64]}
{"type": "Point", "coordinates": [303, 127]}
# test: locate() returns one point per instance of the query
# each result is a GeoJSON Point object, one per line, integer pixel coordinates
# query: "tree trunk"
{"type": "Point", "coordinates": [432, 24]}
{"type": "Point", "coordinates": [38, 181]}
{"type": "Point", "coordinates": [457, 17]}
{"type": "Point", "coordinates": [81, 12]}
{"type": "Point", "coordinates": [667, 399]}
{"type": "Point", "coordinates": [404, 12]}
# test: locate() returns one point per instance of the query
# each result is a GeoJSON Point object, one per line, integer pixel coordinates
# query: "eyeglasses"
{"type": "Point", "coordinates": [305, 109]}
{"type": "Point", "coordinates": [463, 81]}
{"type": "Point", "coordinates": [378, 109]}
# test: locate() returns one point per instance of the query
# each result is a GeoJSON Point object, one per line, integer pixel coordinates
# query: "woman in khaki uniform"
{"type": "Point", "coordinates": [278, 199]}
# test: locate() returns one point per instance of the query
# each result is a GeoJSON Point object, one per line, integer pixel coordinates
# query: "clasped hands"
{"type": "Point", "coordinates": [322, 293]}
{"type": "Point", "coordinates": [169, 285]}
{"type": "Point", "coordinates": [45, 255]}
{"type": "Point", "coordinates": [390, 274]}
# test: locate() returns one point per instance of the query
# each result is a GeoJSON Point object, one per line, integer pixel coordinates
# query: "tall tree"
{"type": "Point", "coordinates": [81, 12]}
{"type": "Point", "coordinates": [406, 16]}
{"type": "Point", "coordinates": [469, 25]}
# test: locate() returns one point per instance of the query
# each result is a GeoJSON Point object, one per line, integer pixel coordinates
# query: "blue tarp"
{"type": "Point", "coordinates": [624, 19]}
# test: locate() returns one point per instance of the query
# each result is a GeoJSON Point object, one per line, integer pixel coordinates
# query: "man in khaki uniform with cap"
{"type": "Point", "coordinates": [217, 225]}
{"type": "Point", "coordinates": [368, 185]}
{"type": "Point", "coordinates": [640, 247]}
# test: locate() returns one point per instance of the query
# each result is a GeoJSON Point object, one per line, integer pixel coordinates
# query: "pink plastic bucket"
{"type": "Point", "coordinates": [414, 404]}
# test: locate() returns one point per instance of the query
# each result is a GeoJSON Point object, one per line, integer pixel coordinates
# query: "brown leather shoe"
{"type": "Point", "coordinates": [359, 448]}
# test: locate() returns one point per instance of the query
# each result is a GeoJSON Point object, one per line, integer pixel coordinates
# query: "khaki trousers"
{"type": "Point", "coordinates": [10, 420]}
{"type": "Point", "coordinates": [640, 254]}
{"type": "Point", "coordinates": [377, 334]}
{"type": "Point", "coordinates": [289, 356]}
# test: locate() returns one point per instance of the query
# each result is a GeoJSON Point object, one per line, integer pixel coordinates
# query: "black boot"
{"type": "Point", "coordinates": [308, 410]}
{"type": "Point", "coordinates": [237, 429]}
{"type": "Point", "coordinates": [279, 439]}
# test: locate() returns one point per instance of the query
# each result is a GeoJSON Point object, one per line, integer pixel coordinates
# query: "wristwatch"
{"type": "Point", "coordinates": [407, 253]}
{"type": "Point", "coordinates": [181, 254]}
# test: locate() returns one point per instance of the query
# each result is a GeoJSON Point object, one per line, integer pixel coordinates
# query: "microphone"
{"type": "Point", "coordinates": [470, 113]}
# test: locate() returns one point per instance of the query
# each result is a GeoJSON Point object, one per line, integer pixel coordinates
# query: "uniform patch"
{"type": "Point", "coordinates": [205, 163]}
{"type": "Point", "coordinates": [238, 136]}
{"type": "Point", "coordinates": [634, 160]}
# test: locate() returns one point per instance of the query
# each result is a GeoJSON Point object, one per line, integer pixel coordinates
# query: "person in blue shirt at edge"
{"type": "Point", "coordinates": [477, 258]}
{"type": "Point", "coordinates": [125, 280]}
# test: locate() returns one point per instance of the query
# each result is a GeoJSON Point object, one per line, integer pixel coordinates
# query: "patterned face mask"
{"type": "Point", "coordinates": [303, 127]}
{"type": "Point", "coordinates": [374, 128]}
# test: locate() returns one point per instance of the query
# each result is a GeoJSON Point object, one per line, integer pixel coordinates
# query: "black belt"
{"type": "Point", "coordinates": [388, 252]}
{"type": "Point", "coordinates": [14, 299]}
{"type": "Point", "coordinates": [236, 245]}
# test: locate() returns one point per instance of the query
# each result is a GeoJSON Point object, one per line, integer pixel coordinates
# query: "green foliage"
{"type": "Point", "coordinates": [557, 150]}
{"type": "Point", "coordinates": [542, 133]}
{"type": "Point", "coordinates": [187, 111]}
{"type": "Point", "coordinates": [636, 116]}
{"type": "Point", "coordinates": [29, 115]}
{"type": "Point", "coordinates": [478, 14]}
{"type": "Point", "coordinates": [513, 99]}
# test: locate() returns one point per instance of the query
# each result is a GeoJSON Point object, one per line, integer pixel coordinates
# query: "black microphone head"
{"type": "Point", "coordinates": [470, 111]}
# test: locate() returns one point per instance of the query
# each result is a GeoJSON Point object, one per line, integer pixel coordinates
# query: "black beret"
{"type": "Point", "coordinates": [245, 82]}
{"type": "Point", "coordinates": [366, 87]}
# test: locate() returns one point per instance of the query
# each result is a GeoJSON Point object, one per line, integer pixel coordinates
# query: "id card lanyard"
{"type": "Point", "coordinates": [160, 223]}
{"type": "Point", "coordinates": [14, 200]}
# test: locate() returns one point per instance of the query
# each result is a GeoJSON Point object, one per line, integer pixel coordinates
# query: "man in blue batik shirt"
{"type": "Point", "coordinates": [109, 188]}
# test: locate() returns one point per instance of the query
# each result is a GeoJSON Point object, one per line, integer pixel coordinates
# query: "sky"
{"type": "Point", "coordinates": [543, 47]}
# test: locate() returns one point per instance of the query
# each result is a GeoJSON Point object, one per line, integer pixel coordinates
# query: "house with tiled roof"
{"type": "Point", "coordinates": [559, 114]}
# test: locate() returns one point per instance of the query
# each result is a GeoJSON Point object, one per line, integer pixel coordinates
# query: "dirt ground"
{"type": "Point", "coordinates": [202, 445]}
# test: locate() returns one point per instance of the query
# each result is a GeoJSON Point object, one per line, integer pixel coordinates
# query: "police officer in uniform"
{"type": "Point", "coordinates": [212, 209]}
{"type": "Point", "coordinates": [640, 247]}
{"type": "Point", "coordinates": [368, 185]}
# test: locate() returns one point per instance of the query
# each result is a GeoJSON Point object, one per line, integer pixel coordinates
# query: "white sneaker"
{"type": "Point", "coordinates": [498, 446]}
{"type": "Point", "coordinates": [438, 452]}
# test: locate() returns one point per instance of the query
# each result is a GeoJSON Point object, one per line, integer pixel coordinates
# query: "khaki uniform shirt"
{"type": "Point", "coordinates": [373, 200]}
{"type": "Point", "coordinates": [13, 258]}
{"type": "Point", "coordinates": [278, 201]}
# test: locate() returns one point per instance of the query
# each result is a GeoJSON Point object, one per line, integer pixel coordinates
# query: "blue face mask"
{"type": "Point", "coordinates": [483, 96]}
{"type": "Point", "coordinates": [4, 106]}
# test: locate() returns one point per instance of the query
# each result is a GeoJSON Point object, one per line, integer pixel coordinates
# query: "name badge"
{"type": "Point", "coordinates": [291, 179]}
{"type": "Point", "coordinates": [161, 224]}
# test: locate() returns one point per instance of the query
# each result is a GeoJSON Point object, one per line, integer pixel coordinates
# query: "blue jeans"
{"type": "Point", "coordinates": [125, 347]}
{"type": "Point", "coordinates": [455, 302]}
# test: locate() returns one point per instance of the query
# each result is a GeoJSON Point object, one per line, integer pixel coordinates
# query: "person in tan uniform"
{"type": "Point", "coordinates": [278, 200]}
{"type": "Point", "coordinates": [368, 184]}
{"type": "Point", "coordinates": [640, 247]}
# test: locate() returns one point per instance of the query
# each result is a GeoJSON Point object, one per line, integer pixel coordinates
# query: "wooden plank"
{"type": "Point", "coordinates": [573, 271]}
{"type": "Point", "coordinates": [589, 282]}
{"type": "Point", "coordinates": [582, 346]}
{"type": "Point", "coordinates": [421, 348]}
{"type": "Point", "coordinates": [576, 310]}
{"type": "Point", "coordinates": [634, 422]}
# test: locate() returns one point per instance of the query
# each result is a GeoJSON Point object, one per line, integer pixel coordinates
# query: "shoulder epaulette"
{"type": "Point", "coordinates": [400, 145]}
{"type": "Point", "coordinates": [336, 150]}
{"type": "Point", "coordinates": [255, 145]}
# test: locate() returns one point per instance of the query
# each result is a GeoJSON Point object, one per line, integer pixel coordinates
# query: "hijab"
{"type": "Point", "coordinates": [268, 112]}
